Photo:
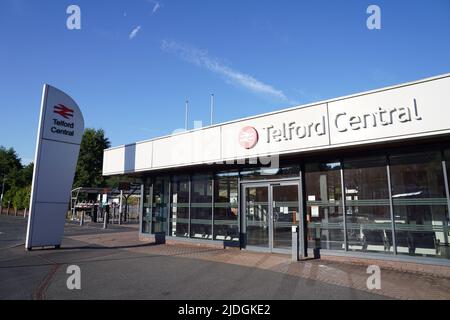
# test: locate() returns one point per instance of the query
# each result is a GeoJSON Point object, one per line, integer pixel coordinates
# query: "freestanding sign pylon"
{"type": "Point", "coordinates": [61, 127]}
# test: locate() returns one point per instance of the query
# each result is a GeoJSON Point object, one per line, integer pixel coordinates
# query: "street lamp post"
{"type": "Point", "coordinates": [212, 108]}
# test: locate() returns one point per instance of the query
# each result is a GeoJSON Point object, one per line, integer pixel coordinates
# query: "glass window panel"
{"type": "Point", "coordinates": [257, 216]}
{"type": "Point", "coordinates": [179, 219]}
{"type": "Point", "coordinates": [270, 173]}
{"type": "Point", "coordinates": [324, 206]}
{"type": "Point", "coordinates": [160, 204]}
{"type": "Point", "coordinates": [420, 204]}
{"type": "Point", "coordinates": [368, 216]}
{"type": "Point", "coordinates": [201, 207]}
{"type": "Point", "coordinates": [447, 164]}
{"type": "Point", "coordinates": [146, 214]}
{"type": "Point", "coordinates": [285, 214]}
{"type": "Point", "coordinates": [226, 223]}
{"type": "Point", "coordinates": [445, 250]}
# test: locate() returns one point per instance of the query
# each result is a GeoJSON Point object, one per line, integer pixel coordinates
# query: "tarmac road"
{"type": "Point", "coordinates": [118, 273]}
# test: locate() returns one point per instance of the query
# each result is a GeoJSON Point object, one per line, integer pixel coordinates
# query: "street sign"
{"type": "Point", "coordinates": [61, 128]}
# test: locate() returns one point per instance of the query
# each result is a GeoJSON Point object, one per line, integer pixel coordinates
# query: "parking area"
{"type": "Point", "coordinates": [114, 264]}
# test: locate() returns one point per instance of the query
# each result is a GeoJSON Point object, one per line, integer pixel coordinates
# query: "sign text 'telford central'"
{"type": "Point", "coordinates": [61, 126]}
{"type": "Point", "coordinates": [291, 130]}
{"type": "Point", "coordinates": [343, 122]}
{"type": "Point", "coordinates": [381, 117]}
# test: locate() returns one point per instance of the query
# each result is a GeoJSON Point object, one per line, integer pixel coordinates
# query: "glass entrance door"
{"type": "Point", "coordinates": [257, 216]}
{"type": "Point", "coordinates": [270, 211]}
{"type": "Point", "coordinates": [285, 214]}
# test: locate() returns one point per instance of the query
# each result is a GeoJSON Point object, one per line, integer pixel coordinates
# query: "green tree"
{"type": "Point", "coordinates": [10, 167]}
{"type": "Point", "coordinates": [17, 200]}
{"type": "Point", "coordinates": [17, 178]}
{"type": "Point", "coordinates": [9, 196]}
{"type": "Point", "coordinates": [21, 198]}
{"type": "Point", "coordinates": [90, 160]}
{"type": "Point", "coordinates": [26, 174]}
{"type": "Point", "coordinates": [24, 195]}
{"type": "Point", "coordinates": [8, 160]}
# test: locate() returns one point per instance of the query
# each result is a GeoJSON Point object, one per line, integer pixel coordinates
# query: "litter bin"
{"type": "Point", "coordinates": [94, 213]}
{"type": "Point", "coordinates": [317, 248]}
{"type": "Point", "coordinates": [160, 238]}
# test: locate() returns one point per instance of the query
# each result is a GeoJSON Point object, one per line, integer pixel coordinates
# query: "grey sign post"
{"type": "Point", "coordinates": [61, 127]}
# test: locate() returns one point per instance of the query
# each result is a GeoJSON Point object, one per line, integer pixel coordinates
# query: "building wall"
{"type": "Point", "coordinates": [403, 112]}
{"type": "Point", "coordinates": [390, 202]}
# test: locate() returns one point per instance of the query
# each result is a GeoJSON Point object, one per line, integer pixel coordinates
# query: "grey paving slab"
{"type": "Point", "coordinates": [116, 265]}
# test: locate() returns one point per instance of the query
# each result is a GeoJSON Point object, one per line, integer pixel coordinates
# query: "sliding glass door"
{"type": "Point", "coordinates": [270, 209]}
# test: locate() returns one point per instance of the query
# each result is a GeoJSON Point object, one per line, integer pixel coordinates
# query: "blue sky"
{"type": "Point", "coordinates": [256, 56]}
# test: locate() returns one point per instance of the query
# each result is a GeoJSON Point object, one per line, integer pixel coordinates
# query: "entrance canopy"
{"type": "Point", "coordinates": [400, 113]}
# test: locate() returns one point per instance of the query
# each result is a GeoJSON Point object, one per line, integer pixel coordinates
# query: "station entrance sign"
{"type": "Point", "coordinates": [61, 128]}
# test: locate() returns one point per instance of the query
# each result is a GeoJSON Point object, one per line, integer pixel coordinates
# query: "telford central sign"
{"type": "Point", "coordinates": [61, 126]}
{"type": "Point", "coordinates": [343, 122]}
{"type": "Point", "coordinates": [380, 117]}
{"type": "Point", "coordinates": [294, 130]}
{"type": "Point", "coordinates": [407, 111]}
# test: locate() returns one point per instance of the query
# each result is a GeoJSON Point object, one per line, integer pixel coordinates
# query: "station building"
{"type": "Point", "coordinates": [365, 175]}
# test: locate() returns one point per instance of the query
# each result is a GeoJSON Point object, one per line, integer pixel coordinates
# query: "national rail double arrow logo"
{"type": "Point", "coordinates": [63, 111]}
{"type": "Point", "coordinates": [248, 137]}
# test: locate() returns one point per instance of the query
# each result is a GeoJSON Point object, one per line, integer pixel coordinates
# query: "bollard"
{"type": "Point", "coordinates": [113, 213]}
{"type": "Point", "coordinates": [105, 220]}
{"type": "Point", "coordinates": [295, 239]}
{"type": "Point", "coordinates": [25, 213]}
{"type": "Point", "coordinates": [317, 247]}
{"type": "Point", "coordinates": [160, 238]}
{"type": "Point", "coordinates": [82, 218]}
{"type": "Point", "coordinates": [120, 207]}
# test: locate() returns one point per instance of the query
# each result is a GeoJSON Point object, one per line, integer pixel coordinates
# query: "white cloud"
{"type": "Point", "coordinates": [134, 32]}
{"type": "Point", "coordinates": [156, 7]}
{"type": "Point", "coordinates": [202, 59]}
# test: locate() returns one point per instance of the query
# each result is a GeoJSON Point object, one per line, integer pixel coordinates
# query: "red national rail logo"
{"type": "Point", "coordinates": [248, 137]}
{"type": "Point", "coordinates": [63, 111]}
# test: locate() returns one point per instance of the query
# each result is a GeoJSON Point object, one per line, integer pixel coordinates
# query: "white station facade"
{"type": "Point", "coordinates": [362, 175]}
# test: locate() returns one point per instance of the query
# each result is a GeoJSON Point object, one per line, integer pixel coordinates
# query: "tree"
{"type": "Point", "coordinates": [10, 170]}
{"type": "Point", "coordinates": [9, 196]}
{"type": "Point", "coordinates": [26, 197]}
{"type": "Point", "coordinates": [26, 174]}
{"type": "Point", "coordinates": [90, 160]}
{"type": "Point", "coordinates": [19, 201]}
{"type": "Point", "coordinates": [21, 197]}
{"type": "Point", "coordinates": [10, 166]}
{"type": "Point", "coordinates": [18, 179]}
{"type": "Point", "coordinates": [8, 160]}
